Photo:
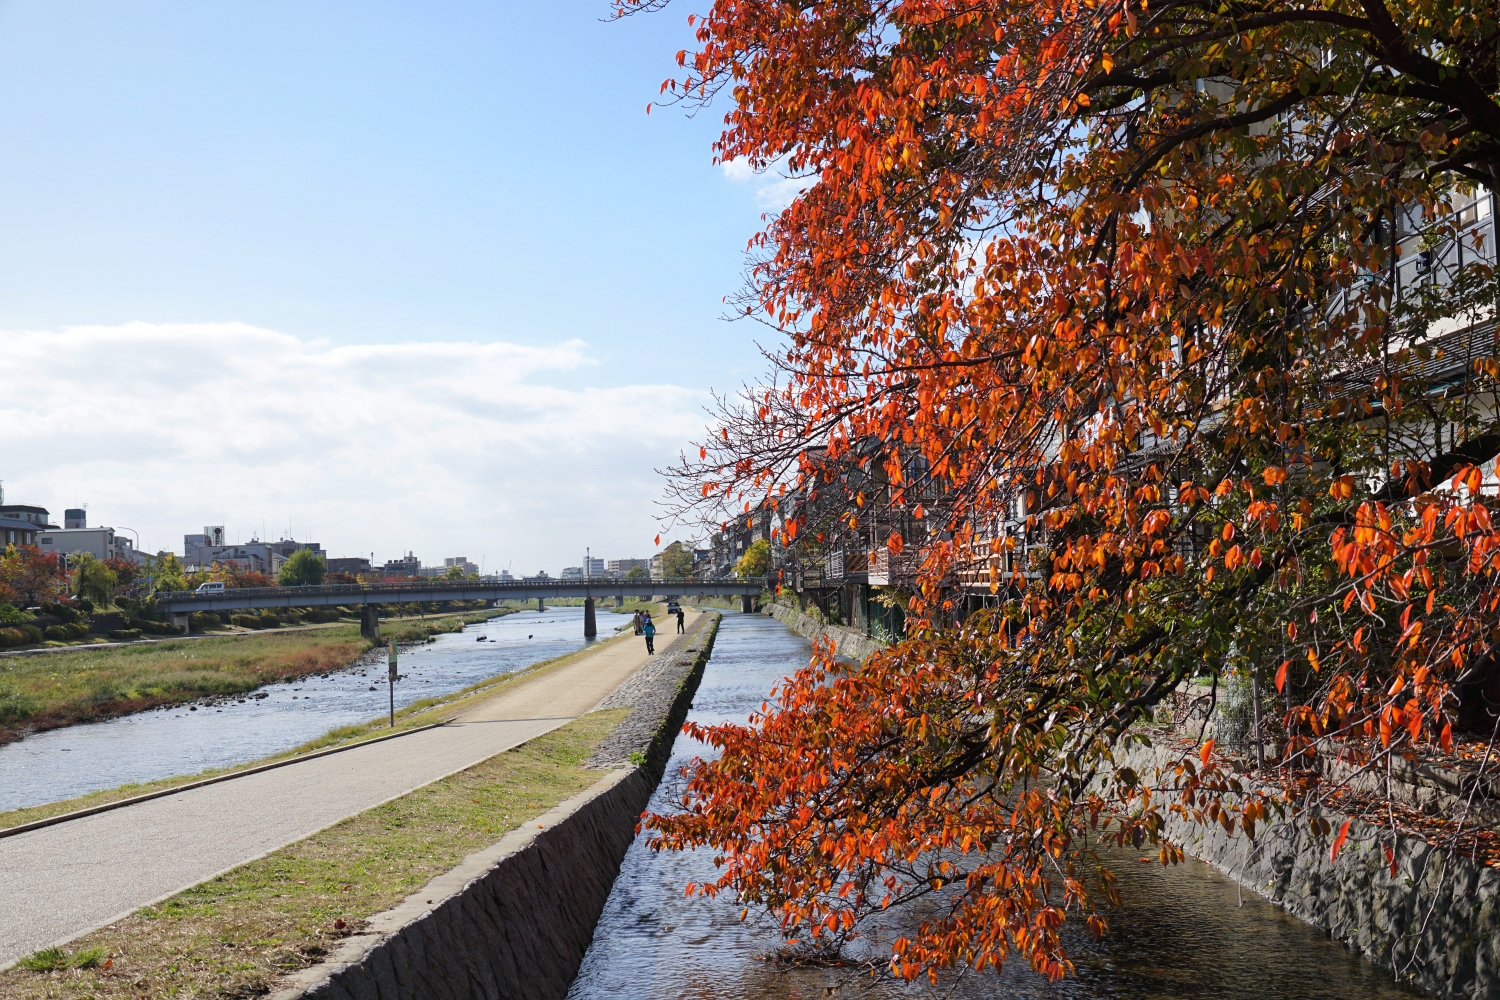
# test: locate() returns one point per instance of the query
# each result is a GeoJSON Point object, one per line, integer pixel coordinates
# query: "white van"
{"type": "Point", "coordinates": [216, 587]}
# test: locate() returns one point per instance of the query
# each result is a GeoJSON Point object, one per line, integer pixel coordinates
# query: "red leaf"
{"type": "Point", "coordinates": [1446, 738]}
{"type": "Point", "coordinates": [1281, 675]}
{"type": "Point", "coordinates": [658, 540]}
{"type": "Point", "coordinates": [1390, 857]}
{"type": "Point", "coordinates": [1338, 842]}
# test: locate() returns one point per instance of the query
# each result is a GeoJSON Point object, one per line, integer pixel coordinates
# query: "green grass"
{"type": "Point", "coordinates": [424, 712]}
{"type": "Point", "coordinates": [61, 689]}
{"type": "Point", "coordinates": [235, 934]}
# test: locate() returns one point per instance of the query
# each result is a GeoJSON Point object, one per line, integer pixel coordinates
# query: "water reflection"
{"type": "Point", "coordinates": [1181, 933]}
{"type": "Point", "coordinates": [63, 763]}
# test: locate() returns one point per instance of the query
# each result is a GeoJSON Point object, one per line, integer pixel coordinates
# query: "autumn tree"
{"type": "Point", "coordinates": [31, 576]}
{"type": "Point", "coordinates": [1168, 324]}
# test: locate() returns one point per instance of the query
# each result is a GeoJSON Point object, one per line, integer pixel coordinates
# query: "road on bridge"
{"type": "Point", "coordinates": [65, 880]}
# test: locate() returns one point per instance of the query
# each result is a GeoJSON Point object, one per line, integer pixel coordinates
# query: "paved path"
{"type": "Point", "coordinates": [62, 881]}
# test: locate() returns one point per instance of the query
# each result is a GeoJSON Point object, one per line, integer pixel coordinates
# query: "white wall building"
{"type": "Point", "coordinates": [102, 543]}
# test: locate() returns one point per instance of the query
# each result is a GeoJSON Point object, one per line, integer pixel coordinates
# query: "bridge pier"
{"type": "Point", "coordinates": [590, 627]}
{"type": "Point", "coordinates": [619, 600]}
{"type": "Point", "coordinates": [539, 605]}
{"type": "Point", "coordinates": [747, 603]}
{"type": "Point", "coordinates": [369, 622]}
{"type": "Point", "coordinates": [184, 622]}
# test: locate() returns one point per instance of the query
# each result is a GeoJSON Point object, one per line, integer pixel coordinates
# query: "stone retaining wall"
{"type": "Point", "coordinates": [513, 921]}
{"type": "Point", "coordinates": [848, 644]}
{"type": "Point", "coordinates": [1435, 922]}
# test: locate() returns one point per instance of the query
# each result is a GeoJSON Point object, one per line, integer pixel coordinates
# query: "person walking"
{"type": "Point", "coordinates": [636, 621]}
{"type": "Point", "coordinates": [648, 629]}
{"type": "Point", "coordinates": [681, 619]}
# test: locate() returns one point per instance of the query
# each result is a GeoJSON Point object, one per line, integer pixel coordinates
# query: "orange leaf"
{"type": "Point", "coordinates": [1338, 842]}
{"type": "Point", "coordinates": [658, 540]}
{"type": "Point", "coordinates": [1446, 738]}
{"type": "Point", "coordinates": [1206, 752]}
{"type": "Point", "coordinates": [1281, 676]}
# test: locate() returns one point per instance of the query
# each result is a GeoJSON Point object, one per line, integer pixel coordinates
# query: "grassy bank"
{"type": "Point", "coordinates": [424, 712]}
{"type": "Point", "coordinates": [61, 689]}
{"type": "Point", "coordinates": [233, 935]}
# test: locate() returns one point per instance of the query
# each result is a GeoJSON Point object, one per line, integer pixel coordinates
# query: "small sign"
{"type": "Point", "coordinates": [393, 659]}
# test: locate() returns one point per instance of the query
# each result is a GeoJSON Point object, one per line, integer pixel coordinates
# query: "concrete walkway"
{"type": "Point", "coordinates": [62, 881]}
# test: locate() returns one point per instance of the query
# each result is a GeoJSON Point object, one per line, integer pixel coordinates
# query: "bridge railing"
{"type": "Point", "coordinates": [685, 585]}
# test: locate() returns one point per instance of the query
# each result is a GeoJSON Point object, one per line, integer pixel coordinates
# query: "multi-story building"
{"type": "Point", "coordinates": [36, 516]}
{"type": "Point", "coordinates": [572, 573]}
{"type": "Point", "coordinates": [200, 553]}
{"type": "Point", "coordinates": [352, 565]}
{"type": "Point", "coordinates": [101, 543]}
{"type": "Point", "coordinates": [286, 546]}
{"type": "Point", "coordinates": [407, 565]}
{"type": "Point", "coordinates": [19, 522]}
{"type": "Point", "coordinates": [619, 567]}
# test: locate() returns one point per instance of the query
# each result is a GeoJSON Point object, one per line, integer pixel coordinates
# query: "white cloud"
{"type": "Point", "coordinates": [455, 448]}
{"type": "Point", "coordinates": [773, 190]}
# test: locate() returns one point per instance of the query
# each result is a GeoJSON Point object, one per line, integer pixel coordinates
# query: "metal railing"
{"type": "Point", "coordinates": [606, 585]}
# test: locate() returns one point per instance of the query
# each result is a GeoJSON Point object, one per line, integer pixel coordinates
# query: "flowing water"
{"type": "Point", "coordinates": [1181, 933]}
{"type": "Point", "coordinates": [63, 763]}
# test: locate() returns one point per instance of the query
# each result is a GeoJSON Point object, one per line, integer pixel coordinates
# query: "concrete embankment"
{"type": "Point", "coordinates": [848, 644]}
{"type": "Point", "coordinates": [1434, 920]}
{"type": "Point", "coordinates": [514, 920]}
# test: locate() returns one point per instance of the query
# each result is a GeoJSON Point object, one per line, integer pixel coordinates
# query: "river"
{"type": "Point", "coordinates": [186, 739]}
{"type": "Point", "coordinates": [1181, 932]}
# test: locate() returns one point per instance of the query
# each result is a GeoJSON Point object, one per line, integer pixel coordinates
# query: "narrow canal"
{"type": "Point", "coordinates": [63, 763]}
{"type": "Point", "coordinates": [1181, 932]}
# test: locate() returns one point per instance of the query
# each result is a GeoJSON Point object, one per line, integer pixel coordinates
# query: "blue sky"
{"type": "Point", "coordinates": [350, 176]}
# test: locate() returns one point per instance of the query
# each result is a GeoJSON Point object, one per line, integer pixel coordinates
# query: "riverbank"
{"type": "Point", "coordinates": [419, 714]}
{"type": "Point", "coordinates": [847, 643]}
{"type": "Point", "coordinates": [242, 933]}
{"type": "Point", "coordinates": [238, 933]}
{"type": "Point", "coordinates": [39, 693]}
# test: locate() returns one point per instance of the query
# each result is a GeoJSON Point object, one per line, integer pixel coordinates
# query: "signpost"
{"type": "Point", "coordinates": [392, 683]}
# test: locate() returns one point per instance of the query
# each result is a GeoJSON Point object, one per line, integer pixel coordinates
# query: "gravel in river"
{"type": "Point", "coordinates": [63, 763]}
{"type": "Point", "coordinates": [1181, 933]}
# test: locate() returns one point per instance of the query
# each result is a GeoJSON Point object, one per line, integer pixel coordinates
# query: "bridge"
{"type": "Point", "coordinates": [181, 604]}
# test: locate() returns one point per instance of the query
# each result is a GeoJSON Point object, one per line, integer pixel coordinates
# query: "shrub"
{"type": "Point", "coordinates": [269, 621]}
{"type": "Point", "coordinates": [291, 616]}
{"type": "Point", "coordinates": [322, 616]}
{"type": "Point", "coordinates": [12, 637]}
{"type": "Point", "coordinates": [57, 632]}
{"type": "Point", "coordinates": [59, 611]}
{"type": "Point", "coordinates": [77, 630]}
{"type": "Point", "coordinates": [10, 615]}
{"type": "Point", "coordinates": [157, 628]}
{"type": "Point", "coordinates": [125, 634]}
{"type": "Point", "coordinates": [246, 621]}
{"type": "Point", "coordinates": [206, 619]}
{"type": "Point", "coordinates": [33, 633]}
{"type": "Point", "coordinates": [85, 605]}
